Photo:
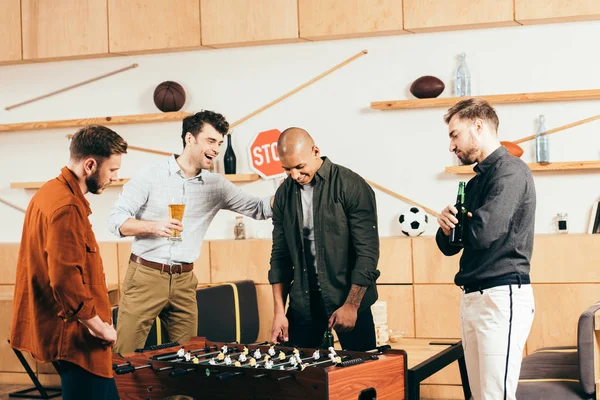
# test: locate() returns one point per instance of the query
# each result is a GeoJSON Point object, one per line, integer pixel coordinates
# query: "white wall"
{"type": "Point", "coordinates": [405, 151]}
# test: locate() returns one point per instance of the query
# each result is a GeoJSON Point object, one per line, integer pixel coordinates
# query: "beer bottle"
{"type": "Point", "coordinates": [456, 233]}
{"type": "Point", "coordinates": [327, 341]}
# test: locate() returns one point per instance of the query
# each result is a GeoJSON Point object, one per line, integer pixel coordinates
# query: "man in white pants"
{"type": "Point", "coordinates": [497, 306]}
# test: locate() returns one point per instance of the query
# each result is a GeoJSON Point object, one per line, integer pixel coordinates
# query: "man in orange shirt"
{"type": "Point", "coordinates": [61, 309]}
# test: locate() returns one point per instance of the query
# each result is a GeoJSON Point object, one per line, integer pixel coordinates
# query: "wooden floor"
{"type": "Point", "coordinates": [5, 389]}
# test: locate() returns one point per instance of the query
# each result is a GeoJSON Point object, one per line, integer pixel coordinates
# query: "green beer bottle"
{"type": "Point", "coordinates": [456, 233]}
{"type": "Point", "coordinates": [327, 341]}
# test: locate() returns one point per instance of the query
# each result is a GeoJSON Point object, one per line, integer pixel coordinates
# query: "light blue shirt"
{"type": "Point", "coordinates": [147, 197]}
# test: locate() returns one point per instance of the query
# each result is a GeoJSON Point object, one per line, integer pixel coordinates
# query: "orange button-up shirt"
{"type": "Point", "coordinates": [60, 280]}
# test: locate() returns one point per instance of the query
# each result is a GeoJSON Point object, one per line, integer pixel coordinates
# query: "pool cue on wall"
{"type": "Point", "coordinates": [263, 108]}
{"type": "Point", "coordinates": [560, 128]}
{"type": "Point", "coordinates": [8, 203]}
{"type": "Point", "coordinates": [404, 199]}
{"type": "Point", "coordinates": [71, 87]}
{"type": "Point", "coordinates": [291, 92]}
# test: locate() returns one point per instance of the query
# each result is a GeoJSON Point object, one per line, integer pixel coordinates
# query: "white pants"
{"type": "Point", "coordinates": [495, 326]}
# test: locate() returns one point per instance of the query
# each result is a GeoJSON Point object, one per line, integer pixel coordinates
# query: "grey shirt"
{"type": "Point", "coordinates": [308, 233]}
{"type": "Point", "coordinates": [499, 235]}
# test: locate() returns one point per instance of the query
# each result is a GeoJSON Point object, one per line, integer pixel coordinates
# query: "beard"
{"type": "Point", "coordinates": [468, 156]}
{"type": "Point", "coordinates": [93, 183]}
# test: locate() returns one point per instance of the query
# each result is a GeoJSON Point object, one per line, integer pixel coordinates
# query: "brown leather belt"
{"type": "Point", "coordinates": [175, 268]}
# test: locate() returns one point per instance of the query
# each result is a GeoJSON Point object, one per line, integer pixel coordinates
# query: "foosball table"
{"type": "Point", "coordinates": [214, 370]}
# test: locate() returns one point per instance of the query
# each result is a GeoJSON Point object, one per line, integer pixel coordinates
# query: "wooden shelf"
{"type": "Point", "coordinates": [569, 95]}
{"type": "Point", "coordinates": [121, 182]}
{"type": "Point", "coordinates": [555, 166]}
{"type": "Point", "coordinates": [74, 123]}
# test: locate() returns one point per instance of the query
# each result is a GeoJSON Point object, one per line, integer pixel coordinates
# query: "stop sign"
{"type": "Point", "coordinates": [264, 159]}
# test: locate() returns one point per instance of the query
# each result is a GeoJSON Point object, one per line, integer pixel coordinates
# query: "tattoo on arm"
{"type": "Point", "coordinates": [356, 295]}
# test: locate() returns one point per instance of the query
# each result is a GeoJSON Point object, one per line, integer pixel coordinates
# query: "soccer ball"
{"type": "Point", "coordinates": [413, 221]}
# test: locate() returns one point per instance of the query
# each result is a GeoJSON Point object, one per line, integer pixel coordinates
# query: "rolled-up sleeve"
{"type": "Point", "coordinates": [66, 249]}
{"type": "Point", "coordinates": [444, 245]}
{"type": "Point", "coordinates": [235, 199]}
{"type": "Point", "coordinates": [361, 212]}
{"type": "Point", "coordinates": [282, 270]}
{"type": "Point", "coordinates": [133, 196]}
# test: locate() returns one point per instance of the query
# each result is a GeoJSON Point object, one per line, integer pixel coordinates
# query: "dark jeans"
{"type": "Point", "coordinates": [77, 383]}
{"type": "Point", "coordinates": [309, 333]}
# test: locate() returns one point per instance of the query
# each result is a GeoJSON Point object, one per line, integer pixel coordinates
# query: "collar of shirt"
{"type": "Point", "coordinates": [325, 168]}
{"type": "Point", "coordinates": [174, 168]}
{"type": "Point", "coordinates": [67, 176]}
{"type": "Point", "coordinates": [490, 160]}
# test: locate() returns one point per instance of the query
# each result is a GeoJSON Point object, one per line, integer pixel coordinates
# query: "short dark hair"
{"type": "Point", "coordinates": [96, 141]}
{"type": "Point", "coordinates": [472, 109]}
{"type": "Point", "coordinates": [194, 123]}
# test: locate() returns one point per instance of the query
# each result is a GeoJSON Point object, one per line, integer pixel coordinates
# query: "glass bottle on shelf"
{"type": "Point", "coordinates": [229, 159]}
{"type": "Point", "coordinates": [239, 230]}
{"type": "Point", "coordinates": [541, 142]}
{"type": "Point", "coordinates": [463, 77]}
{"type": "Point", "coordinates": [561, 223]}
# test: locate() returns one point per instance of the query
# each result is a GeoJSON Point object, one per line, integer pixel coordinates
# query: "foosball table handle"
{"type": "Point", "coordinates": [180, 372]}
{"type": "Point", "coordinates": [228, 375]}
{"type": "Point", "coordinates": [290, 376]}
{"type": "Point", "coordinates": [124, 369]}
{"type": "Point", "coordinates": [115, 366]}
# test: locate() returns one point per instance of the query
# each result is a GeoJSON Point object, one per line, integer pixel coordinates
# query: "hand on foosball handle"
{"type": "Point", "coordinates": [279, 330]}
{"type": "Point", "coordinates": [344, 318]}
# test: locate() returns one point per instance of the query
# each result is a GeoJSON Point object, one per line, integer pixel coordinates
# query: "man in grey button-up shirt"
{"type": "Point", "coordinates": [497, 306]}
{"type": "Point", "coordinates": [142, 211]}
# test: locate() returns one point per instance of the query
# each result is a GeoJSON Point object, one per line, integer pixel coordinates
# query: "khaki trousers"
{"type": "Point", "coordinates": [148, 293]}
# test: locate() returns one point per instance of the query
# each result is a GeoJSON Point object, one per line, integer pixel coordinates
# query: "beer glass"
{"type": "Point", "coordinates": [176, 209]}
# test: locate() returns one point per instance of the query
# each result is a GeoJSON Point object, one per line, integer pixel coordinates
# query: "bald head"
{"type": "Point", "coordinates": [299, 156]}
{"type": "Point", "coordinates": [294, 141]}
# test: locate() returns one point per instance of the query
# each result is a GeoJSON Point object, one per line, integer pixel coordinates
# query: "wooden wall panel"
{"type": "Point", "coordinates": [123, 253]}
{"type": "Point", "coordinates": [10, 31]}
{"type": "Point", "coordinates": [335, 19]}
{"type": "Point", "coordinates": [566, 258]}
{"type": "Point", "coordinates": [143, 25]}
{"type": "Point", "coordinates": [108, 252]}
{"type": "Point", "coordinates": [264, 295]}
{"type": "Point", "coordinates": [437, 311]}
{"type": "Point", "coordinates": [419, 350]}
{"type": "Point", "coordinates": [230, 23]}
{"type": "Point", "coordinates": [446, 392]}
{"type": "Point", "coordinates": [445, 15]}
{"type": "Point", "coordinates": [395, 261]}
{"type": "Point", "coordinates": [201, 265]}
{"type": "Point", "coordinates": [234, 260]}
{"type": "Point", "coordinates": [558, 307]}
{"type": "Point", "coordinates": [549, 11]}
{"type": "Point", "coordinates": [9, 255]}
{"type": "Point", "coordinates": [430, 265]}
{"type": "Point", "coordinates": [8, 360]}
{"type": "Point", "coordinates": [400, 307]}
{"type": "Point", "coordinates": [64, 28]}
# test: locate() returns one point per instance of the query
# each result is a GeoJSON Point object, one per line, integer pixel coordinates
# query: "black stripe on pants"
{"type": "Point", "coordinates": [509, 334]}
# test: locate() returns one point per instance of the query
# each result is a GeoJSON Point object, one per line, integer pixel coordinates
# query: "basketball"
{"type": "Point", "coordinates": [169, 96]}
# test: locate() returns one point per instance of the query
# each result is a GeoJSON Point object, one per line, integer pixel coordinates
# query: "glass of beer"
{"type": "Point", "coordinates": [176, 212]}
